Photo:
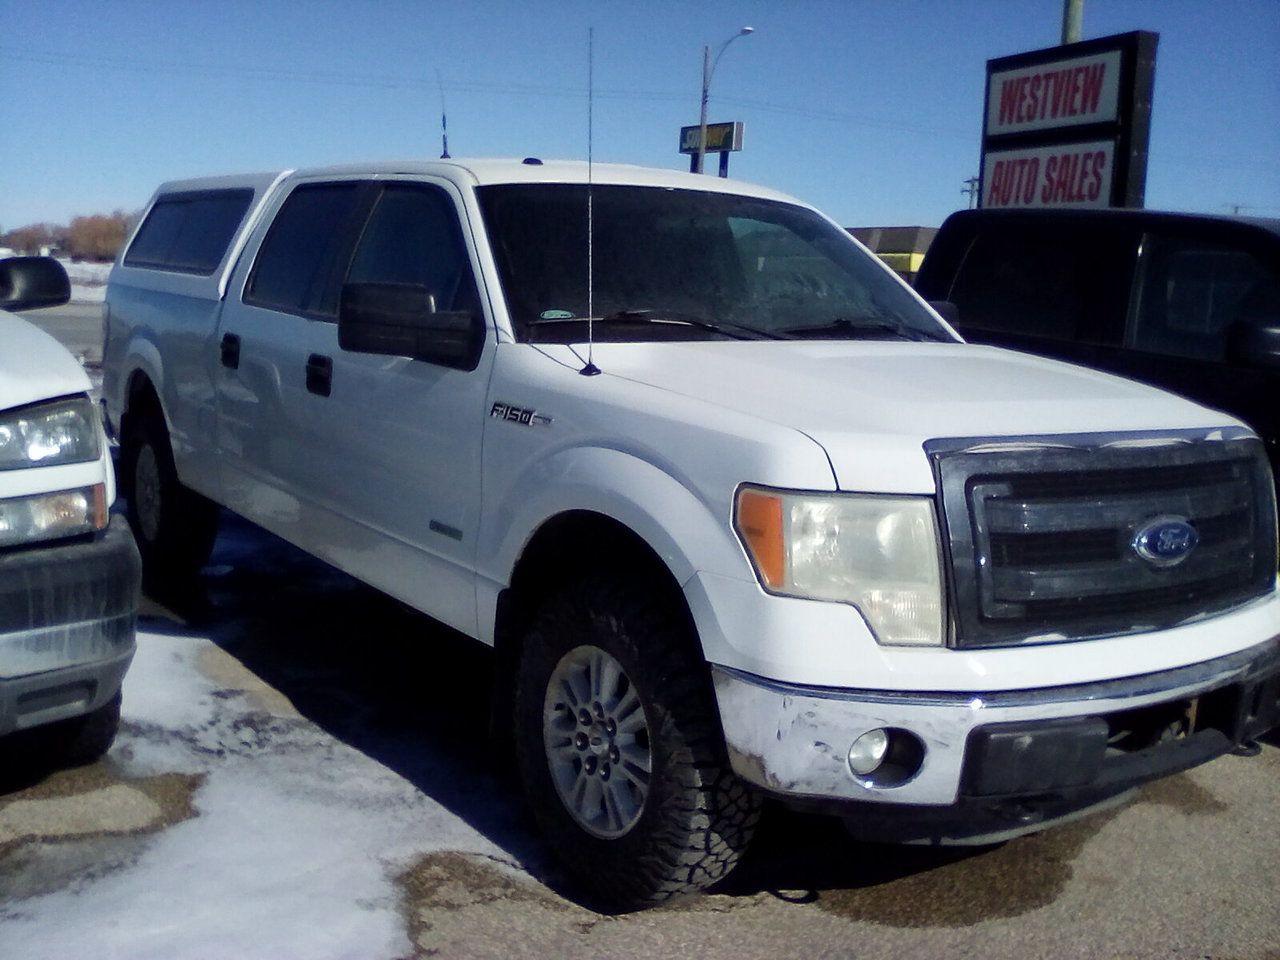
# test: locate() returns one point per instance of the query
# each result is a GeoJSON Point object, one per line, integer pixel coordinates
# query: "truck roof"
{"type": "Point", "coordinates": [483, 172]}
{"type": "Point", "coordinates": [464, 173]}
{"type": "Point", "coordinates": [1051, 214]}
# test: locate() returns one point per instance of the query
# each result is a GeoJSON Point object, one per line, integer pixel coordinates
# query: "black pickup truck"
{"type": "Point", "coordinates": [1187, 302]}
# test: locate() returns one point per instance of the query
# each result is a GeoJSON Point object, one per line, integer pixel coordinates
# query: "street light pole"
{"type": "Point", "coordinates": [709, 68]}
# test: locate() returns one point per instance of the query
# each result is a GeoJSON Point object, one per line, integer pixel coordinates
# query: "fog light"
{"type": "Point", "coordinates": [868, 752]}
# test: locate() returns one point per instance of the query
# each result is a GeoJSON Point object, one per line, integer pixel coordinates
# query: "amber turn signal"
{"type": "Point", "coordinates": [758, 518]}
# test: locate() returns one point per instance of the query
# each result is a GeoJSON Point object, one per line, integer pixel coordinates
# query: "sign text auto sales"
{"type": "Point", "coordinates": [1067, 126]}
{"type": "Point", "coordinates": [1075, 176]}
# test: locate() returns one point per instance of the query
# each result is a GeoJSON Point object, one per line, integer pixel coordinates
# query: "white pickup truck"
{"type": "Point", "coordinates": [741, 514]}
{"type": "Point", "coordinates": [68, 575]}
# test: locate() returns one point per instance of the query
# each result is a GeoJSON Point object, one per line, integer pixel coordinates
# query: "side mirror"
{"type": "Point", "coordinates": [400, 320]}
{"type": "Point", "coordinates": [30, 282]}
{"type": "Point", "coordinates": [947, 310]}
{"type": "Point", "coordinates": [1254, 344]}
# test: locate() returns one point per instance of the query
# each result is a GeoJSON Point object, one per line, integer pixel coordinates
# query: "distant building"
{"type": "Point", "coordinates": [902, 248]}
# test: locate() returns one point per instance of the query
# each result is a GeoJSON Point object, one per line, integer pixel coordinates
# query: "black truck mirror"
{"type": "Point", "coordinates": [947, 310]}
{"type": "Point", "coordinates": [400, 320]}
{"type": "Point", "coordinates": [30, 282]}
{"type": "Point", "coordinates": [1254, 344]}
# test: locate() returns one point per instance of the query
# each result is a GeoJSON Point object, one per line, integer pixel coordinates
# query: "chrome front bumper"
{"type": "Point", "coordinates": [793, 741]}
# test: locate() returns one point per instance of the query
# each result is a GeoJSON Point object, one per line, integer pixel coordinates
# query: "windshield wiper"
{"type": "Point", "coordinates": [652, 315]}
{"type": "Point", "coordinates": [866, 324]}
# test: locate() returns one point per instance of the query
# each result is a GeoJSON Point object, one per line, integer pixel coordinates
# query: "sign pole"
{"type": "Point", "coordinates": [1072, 20]}
{"type": "Point", "coordinates": [706, 85]}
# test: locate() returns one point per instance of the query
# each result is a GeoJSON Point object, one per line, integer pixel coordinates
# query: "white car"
{"type": "Point", "coordinates": [68, 575]}
{"type": "Point", "coordinates": [742, 516]}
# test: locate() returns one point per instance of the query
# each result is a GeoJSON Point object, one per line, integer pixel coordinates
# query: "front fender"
{"type": "Point", "coordinates": [620, 485]}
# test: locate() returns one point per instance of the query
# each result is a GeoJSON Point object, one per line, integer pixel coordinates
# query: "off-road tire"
{"type": "Point", "coordinates": [177, 539]}
{"type": "Point", "coordinates": [84, 740]}
{"type": "Point", "coordinates": [698, 817]}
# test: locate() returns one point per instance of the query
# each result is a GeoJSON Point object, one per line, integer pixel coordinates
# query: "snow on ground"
{"type": "Point", "coordinates": [85, 272]}
{"type": "Point", "coordinates": [83, 294]}
{"type": "Point", "coordinates": [88, 280]}
{"type": "Point", "coordinates": [293, 852]}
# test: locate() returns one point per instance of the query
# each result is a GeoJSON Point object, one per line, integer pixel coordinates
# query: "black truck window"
{"type": "Point", "coordinates": [1049, 280]}
{"type": "Point", "coordinates": [1191, 292]}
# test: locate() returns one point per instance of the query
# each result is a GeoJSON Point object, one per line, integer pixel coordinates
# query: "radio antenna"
{"type": "Point", "coordinates": [590, 370]}
{"type": "Point", "coordinates": [444, 120]}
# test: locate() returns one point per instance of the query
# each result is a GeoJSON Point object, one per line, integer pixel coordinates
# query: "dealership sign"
{"type": "Point", "coordinates": [1068, 126]}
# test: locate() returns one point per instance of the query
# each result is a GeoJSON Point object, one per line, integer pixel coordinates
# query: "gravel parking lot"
{"type": "Point", "coordinates": [304, 772]}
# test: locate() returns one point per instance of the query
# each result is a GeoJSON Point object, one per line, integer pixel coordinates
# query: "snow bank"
{"type": "Point", "coordinates": [88, 280]}
{"type": "Point", "coordinates": [87, 273]}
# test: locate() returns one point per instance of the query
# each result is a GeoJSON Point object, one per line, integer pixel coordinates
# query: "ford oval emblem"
{"type": "Point", "coordinates": [1165, 541]}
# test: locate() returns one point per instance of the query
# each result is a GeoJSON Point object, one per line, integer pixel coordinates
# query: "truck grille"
{"type": "Point", "coordinates": [1041, 532]}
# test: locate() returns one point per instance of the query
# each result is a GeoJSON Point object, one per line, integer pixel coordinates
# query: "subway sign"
{"type": "Point", "coordinates": [1068, 126]}
{"type": "Point", "coordinates": [721, 137]}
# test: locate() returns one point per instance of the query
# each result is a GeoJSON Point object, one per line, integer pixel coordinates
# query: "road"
{"type": "Point", "coordinates": [77, 326]}
{"type": "Point", "coordinates": [304, 772]}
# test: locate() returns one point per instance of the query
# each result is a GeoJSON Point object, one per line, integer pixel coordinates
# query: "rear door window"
{"type": "Point", "coordinates": [1050, 280]}
{"type": "Point", "coordinates": [296, 265]}
{"type": "Point", "coordinates": [1191, 291]}
{"type": "Point", "coordinates": [189, 232]}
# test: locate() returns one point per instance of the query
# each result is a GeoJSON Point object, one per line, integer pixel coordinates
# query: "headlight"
{"type": "Point", "coordinates": [878, 553]}
{"type": "Point", "coordinates": [51, 516]}
{"type": "Point", "coordinates": [49, 434]}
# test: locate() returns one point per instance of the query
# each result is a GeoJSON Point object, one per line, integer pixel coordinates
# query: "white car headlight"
{"type": "Point", "coordinates": [52, 516]}
{"type": "Point", "coordinates": [50, 434]}
{"type": "Point", "coordinates": [878, 553]}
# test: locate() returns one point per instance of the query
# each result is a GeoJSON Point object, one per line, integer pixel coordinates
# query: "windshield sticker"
{"type": "Point", "coordinates": [556, 315]}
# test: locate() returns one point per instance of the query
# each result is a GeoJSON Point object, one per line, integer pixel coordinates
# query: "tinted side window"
{"type": "Point", "coordinates": [189, 232]}
{"type": "Point", "coordinates": [298, 253]}
{"type": "Point", "coordinates": [1191, 292]}
{"type": "Point", "coordinates": [1058, 281]}
{"type": "Point", "coordinates": [413, 237]}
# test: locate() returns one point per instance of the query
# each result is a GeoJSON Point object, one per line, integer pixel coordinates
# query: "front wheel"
{"type": "Point", "coordinates": [620, 749]}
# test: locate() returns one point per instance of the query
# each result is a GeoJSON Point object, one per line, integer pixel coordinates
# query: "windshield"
{"type": "Point", "coordinates": [687, 264]}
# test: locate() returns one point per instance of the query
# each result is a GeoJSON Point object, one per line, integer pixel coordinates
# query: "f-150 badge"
{"type": "Point", "coordinates": [508, 411]}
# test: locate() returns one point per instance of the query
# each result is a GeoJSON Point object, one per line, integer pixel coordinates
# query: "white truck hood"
{"type": "Point", "coordinates": [33, 365]}
{"type": "Point", "coordinates": [872, 405]}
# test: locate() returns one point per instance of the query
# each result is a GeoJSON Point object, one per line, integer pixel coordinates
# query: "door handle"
{"type": "Point", "coordinates": [230, 351]}
{"type": "Point", "coordinates": [319, 374]}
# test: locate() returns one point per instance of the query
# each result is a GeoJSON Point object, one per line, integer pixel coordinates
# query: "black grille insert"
{"type": "Point", "coordinates": [1040, 533]}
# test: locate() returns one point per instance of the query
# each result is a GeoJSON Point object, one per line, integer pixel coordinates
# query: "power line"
{"type": "Point", "coordinates": [391, 81]}
{"type": "Point", "coordinates": [340, 78]}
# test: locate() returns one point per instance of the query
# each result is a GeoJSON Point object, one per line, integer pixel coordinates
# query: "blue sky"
{"type": "Point", "coordinates": [872, 111]}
